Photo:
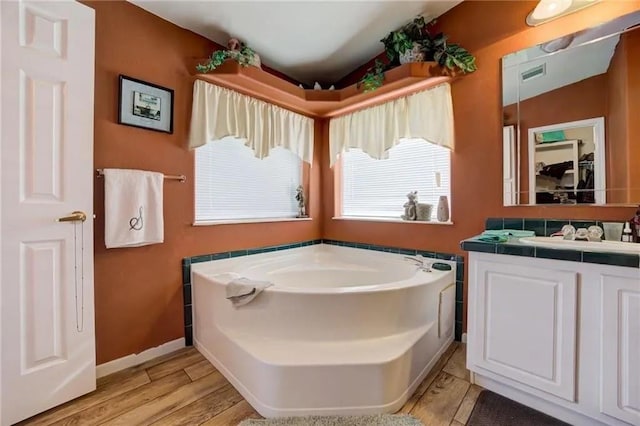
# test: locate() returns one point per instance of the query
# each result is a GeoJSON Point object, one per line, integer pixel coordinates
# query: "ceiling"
{"type": "Point", "coordinates": [307, 40]}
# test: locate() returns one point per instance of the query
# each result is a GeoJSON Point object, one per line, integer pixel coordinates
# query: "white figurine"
{"type": "Point", "coordinates": [317, 86]}
{"type": "Point", "coordinates": [410, 207]}
{"type": "Point", "coordinates": [302, 211]}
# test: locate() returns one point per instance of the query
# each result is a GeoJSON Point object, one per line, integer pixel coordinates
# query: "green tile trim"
{"type": "Point", "coordinates": [480, 246]}
{"type": "Point", "coordinates": [459, 309]}
{"type": "Point", "coordinates": [553, 226]}
{"type": "Point", "coordinates": [186, 294]}
{"type": "Point", "coordinates": [201, 258]}
{"type": "Point", "coordinates": [519, 249]}
{"type": "Point", "coordinates": [546, 227]}
{"type": "Point", "coordinates": [460, 271]}
{"type": "Point", "coordinates": [186, 274]}
{"type": "Point", "coordinates": [510, 223]}
{"type": "Point", "coordinates": [615, 259]}
{"type": "Point", "coordinates": [541, 226]}
{"type": "Point", "coordinates": [428, 254]}
{"type": "Point", "coordinates": [494, 223]}
{"type": "Point", "coordinates": [548, 253]}
{"type": "Point", "coordinates": [514, 250]}
{"type": "Point", "coordinates": [408, 252]}
{"type": "Point", "coordinates": [218, 256]}
{"type": "Point", "coordinates": [459, 291]}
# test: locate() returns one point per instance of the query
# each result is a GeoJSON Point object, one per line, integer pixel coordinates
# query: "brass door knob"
{"type": "Point", "coordinates": [75, 216]}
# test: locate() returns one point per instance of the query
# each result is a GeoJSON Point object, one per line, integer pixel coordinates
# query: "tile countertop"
{"type": "Point", "coordinates": [514, 247]}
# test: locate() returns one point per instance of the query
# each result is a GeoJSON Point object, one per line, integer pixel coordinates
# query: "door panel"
{"type": "Point", "coordinates": [620, 392]}
{"type": "Point", "coordinates": [41, 127]}
{"type": "Point", "coordinates": [46, 172]}
{"type": "Point", "coordinates": [41, 305]}
{"type": "Point", "coordinates": [525, 325]}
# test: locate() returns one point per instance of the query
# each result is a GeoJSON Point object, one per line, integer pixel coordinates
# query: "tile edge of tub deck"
{"type": "Point", "coordinates": [628, 260]}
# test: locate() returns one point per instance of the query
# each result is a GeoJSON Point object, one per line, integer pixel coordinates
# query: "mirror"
{"type": "Point", "coordinates": [571, 117]}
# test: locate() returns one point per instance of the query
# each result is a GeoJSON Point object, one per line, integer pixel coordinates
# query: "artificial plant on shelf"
{"type": "Point", "coordinates": [374, 77]}
{"type": "Point", "coordinates": [415, 43]}
{"type": "Point", "coordinates": [237, 51]}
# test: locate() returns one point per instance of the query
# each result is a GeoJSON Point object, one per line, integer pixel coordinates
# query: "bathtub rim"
{"type": "Point", "coordinates": [210, 268]}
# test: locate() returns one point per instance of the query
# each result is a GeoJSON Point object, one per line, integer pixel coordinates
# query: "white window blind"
{"type": "Point", "coordinates": [379, 188]}
{"type": "Point", "coordinates": [231, 183]}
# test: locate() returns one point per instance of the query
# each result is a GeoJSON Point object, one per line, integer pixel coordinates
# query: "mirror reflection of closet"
{"type": "Point", "coordinates": [567, 162]}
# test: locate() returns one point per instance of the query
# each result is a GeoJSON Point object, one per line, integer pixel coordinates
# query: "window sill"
{"type": "Point", "coordinates": [241, 221]}
{"type": "Point", "coordinates": [390, 220]}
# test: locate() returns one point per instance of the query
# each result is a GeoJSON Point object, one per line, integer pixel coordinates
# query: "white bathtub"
{"type": "Point", "coordinates": [343, 331]}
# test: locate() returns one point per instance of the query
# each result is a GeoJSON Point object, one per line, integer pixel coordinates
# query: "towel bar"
{"type": "Point", "coordinates": [181, 178]}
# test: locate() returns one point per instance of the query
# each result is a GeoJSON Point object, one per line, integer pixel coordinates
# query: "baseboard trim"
{"type": "Point", "coordinates": [135, 359]}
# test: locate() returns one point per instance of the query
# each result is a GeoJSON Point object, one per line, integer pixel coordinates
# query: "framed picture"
{"type": "Point", "coordinates": [145, 105]}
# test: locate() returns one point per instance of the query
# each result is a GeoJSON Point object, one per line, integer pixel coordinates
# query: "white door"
{"type": "Point", "coordinates": [620, 391]}
{"type": "Point", "coordinates": [523, 324]}
{"type": "Point", "coordinates": [509, 165]}
{"type": "Point", "coordinates": [46, 159]}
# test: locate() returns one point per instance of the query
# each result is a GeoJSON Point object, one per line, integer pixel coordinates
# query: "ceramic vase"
{"type": "Point", "coordinates": [443, 209]}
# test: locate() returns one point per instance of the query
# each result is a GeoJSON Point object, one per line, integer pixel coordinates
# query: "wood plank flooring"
{"type": "Point", "coordinates": [183, 388]}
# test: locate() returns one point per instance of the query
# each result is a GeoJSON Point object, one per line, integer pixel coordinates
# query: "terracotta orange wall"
{"type": "Point", "coordinates": [624, 127]}
{"type": "Point", "coordinates": [632, 40]}
{"type": "Point", "coordinates": [490, 30]}
{"type": "Point", "coordinates": [138, 291]}
{"type": "Point", "coordinates": [578, 101]}
{"type": "Point", "coordinates": [617, 125]}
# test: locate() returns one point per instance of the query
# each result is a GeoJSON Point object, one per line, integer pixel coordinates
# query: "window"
{"type": "Point", "coordinates": [378, 188]}
{"type": "Point", "coordinates": [231, 183]}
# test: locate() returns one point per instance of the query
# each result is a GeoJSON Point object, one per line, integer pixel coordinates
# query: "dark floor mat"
{"type": "Point", "coordinates": [492, 409]}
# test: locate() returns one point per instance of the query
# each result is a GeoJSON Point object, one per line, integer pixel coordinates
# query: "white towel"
{"type": "Point", "coordinates": [133, 208]}
{"type": "Point", "coordinates": [241, 290]}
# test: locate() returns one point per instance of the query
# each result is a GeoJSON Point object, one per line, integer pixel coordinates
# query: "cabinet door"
{"type": "Point", "coordinates": [524, 325]}
{"type": "Point", "coordinates": [620, 392]}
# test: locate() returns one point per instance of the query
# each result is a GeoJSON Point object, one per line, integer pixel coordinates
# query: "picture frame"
{"type": "Point", "coordinates": [145, 105]}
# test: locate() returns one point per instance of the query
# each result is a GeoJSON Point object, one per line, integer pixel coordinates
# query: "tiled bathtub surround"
{"type": "Point", "coordinates": [544, 227]}
{"type": "Point", "coordinates": [188, 261]}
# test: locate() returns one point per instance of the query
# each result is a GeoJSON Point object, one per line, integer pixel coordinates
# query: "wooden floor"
{"type": "Point", "coordinates": [183, 388]}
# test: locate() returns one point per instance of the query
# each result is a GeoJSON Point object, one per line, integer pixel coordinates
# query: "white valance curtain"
{"type": "Point", "coordinates": [427, 115]}
{"type": "Point", "coordinates": [218, 112]}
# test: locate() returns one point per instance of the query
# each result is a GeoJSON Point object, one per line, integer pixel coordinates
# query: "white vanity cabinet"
{"type": "Point", "coordinates": [562, 337]}
{"type": "Point", "coordinates": [621, 347]}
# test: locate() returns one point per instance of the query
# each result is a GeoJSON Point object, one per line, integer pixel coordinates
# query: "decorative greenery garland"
{"type": "Point", "coordinates": [245, 57]}
{"type": "Point", "coordinates": [435, 48]}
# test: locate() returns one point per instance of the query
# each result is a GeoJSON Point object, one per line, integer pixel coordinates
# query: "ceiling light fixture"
{"type": "Point", "coordinates": [548, 10]}
{"type": "Point", "coordinates": [557, 44]}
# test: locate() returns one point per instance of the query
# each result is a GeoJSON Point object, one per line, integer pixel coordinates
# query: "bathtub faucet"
{"type": "Point", "coordinates": [421, 262]}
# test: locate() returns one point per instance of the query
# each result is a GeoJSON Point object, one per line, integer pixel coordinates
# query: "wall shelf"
{"type": "Point", "coordinates": [252, 81]}
{"type": "Point", "coordinates": [557, 152]}
{"type": "Point", "coordinates": [557, 145]}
